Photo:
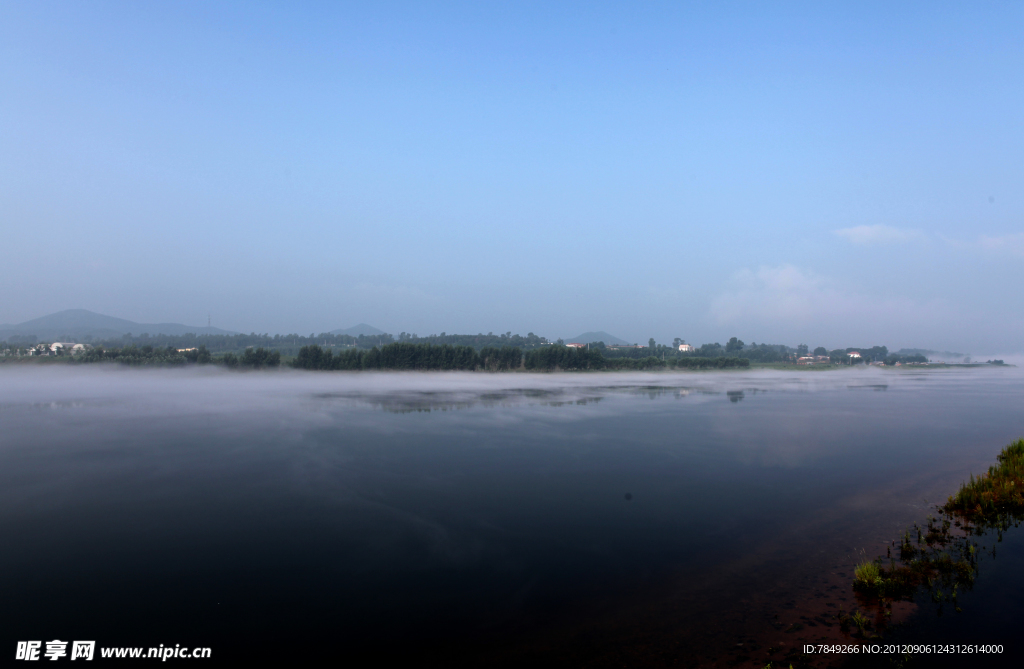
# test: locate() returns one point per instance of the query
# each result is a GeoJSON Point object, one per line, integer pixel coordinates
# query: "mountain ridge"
{"type": "Point", "coordinates": [600, 335]}
{"type": "Point", "coordinates": [79, 323]}
{"type": "Point", "coordinates": [356, 330]}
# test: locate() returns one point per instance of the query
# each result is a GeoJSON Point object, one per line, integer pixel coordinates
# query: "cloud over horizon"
{"type": "Point", "coordinates": [879, 234]}
{"type": "Point", "coordinates": [786, 301]}
{"type": "Point", "coordinates": [1013, 244]}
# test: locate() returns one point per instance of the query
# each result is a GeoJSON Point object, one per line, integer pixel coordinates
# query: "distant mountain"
{"type": "Point", "coordinates": [356, 330]}
{"type": "Point", "coordinates": [80, 323]}
{"type": "Point", "coordinates": [600, 335]}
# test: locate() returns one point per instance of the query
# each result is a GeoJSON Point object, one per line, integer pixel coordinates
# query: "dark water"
{"type": "Point", "coordinates": [578, 520]}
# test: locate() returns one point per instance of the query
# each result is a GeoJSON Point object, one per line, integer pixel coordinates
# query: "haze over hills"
{"type": "Point", "coordinates": [934, 355]}
{"type": "Point", "coordinates": [356, 330]}
{"type": "Point", "coordinates": [81, 323]}
{"type": "Point", "coordinates": [600, 335]}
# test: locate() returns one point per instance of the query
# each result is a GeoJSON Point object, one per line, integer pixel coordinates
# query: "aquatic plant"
{"type": "Point", "coordinates": [859, 620]}
{"type": "Point", "coordinates": [867, 575]}
{"type": "Point", "coordinates": [941, 557]}
{"type": "Point", "coordinates": [1000, 490]}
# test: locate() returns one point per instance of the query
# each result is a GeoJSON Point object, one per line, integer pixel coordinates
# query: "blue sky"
{"type": "Point", "coordinates": [791, 173]}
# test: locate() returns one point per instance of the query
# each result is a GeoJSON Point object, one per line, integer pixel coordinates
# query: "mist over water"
{"type": "Point", "coordinates": [586, 518]}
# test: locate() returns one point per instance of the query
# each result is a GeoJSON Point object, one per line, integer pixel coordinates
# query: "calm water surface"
{"type": "Point", "coordinates": [598, 520]}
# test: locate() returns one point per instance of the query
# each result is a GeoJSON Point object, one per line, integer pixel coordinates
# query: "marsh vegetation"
{"type": "Point", "coordinates": [939, 560]}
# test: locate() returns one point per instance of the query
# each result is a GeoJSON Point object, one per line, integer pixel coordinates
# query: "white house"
{"type": "Point", "coordinates": [66, 346]}
{"type": "Point", "coordinates": [686, 348]}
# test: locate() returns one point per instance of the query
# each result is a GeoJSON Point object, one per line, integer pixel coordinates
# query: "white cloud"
{"type": "Point", "coordinates": [784, 293]}
{"type": "Point", "coordinates": [1013, 244]}
{"type": "Point", "coordinates": [879, 234]}
{"type": "Point", "coordinates": [785, 303]}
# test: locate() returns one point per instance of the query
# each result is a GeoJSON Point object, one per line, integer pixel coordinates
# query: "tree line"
{"type": "Point", "coordinates": [734, 348]}
{"type": "Point", "coordinates": [286, 344]}
{"type": "Point", "coordinates": [451, 351]}
{"type": "Point", "coordinates": [169, 356]}
{"type": "Point", "coordinates": [290, 344]}
{"type": "Point", "coordinates": [406, 356]}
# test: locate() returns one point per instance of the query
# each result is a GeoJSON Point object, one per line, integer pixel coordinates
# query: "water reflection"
{"type": "Point", "coordinates": [505, 519]}
{"type": "Point", "coordinates": [426, 401]}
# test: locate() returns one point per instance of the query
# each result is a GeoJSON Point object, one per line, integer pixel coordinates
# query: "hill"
{"type": "Point", "coordinates": [361, 329]}
{"type": "Point", "coordinates": [600, 335]}
{"type": "Point", "coordinates": [75, 324]}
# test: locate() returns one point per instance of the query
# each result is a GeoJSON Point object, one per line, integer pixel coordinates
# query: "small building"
{"type": "Point", "coordinates": [65, 347]}
{"type": "Point", "coordinates": [186, 350]}
{"type": "Point", "coordinates": [576, 345]}
{"type": "Point", "coordinates": [806, 360]}
{"type": "Point", "coordinates": [853, 354]}
{"type": "Point", "coordinates": [686, 348]}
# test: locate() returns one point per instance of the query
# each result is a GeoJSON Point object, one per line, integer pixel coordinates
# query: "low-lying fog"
{"type": "Point", "coordinates": [210, 389]}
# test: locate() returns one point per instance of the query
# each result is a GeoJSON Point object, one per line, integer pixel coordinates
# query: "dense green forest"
{"type": "Point", "coordinates": [406, 356]}
{"type": "Point", "coordinates": [170, 356]}
{"type": "Point", "coordinates": [447, 352]}
{"type": "Point", "coordinates": [401, 356]}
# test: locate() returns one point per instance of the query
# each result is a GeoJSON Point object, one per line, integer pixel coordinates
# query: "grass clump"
{"type": "Point", "coordinates": [1000, 490]}
{"type": "Point", "coordinates": [860, 620]}
{"type": "Point", "coordinates": [867, 575]}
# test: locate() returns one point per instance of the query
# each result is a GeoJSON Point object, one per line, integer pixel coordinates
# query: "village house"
{"type": "Point", "coordinates": [58, 347]}
{"type": "Point", "coordinates": [686, 348]}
